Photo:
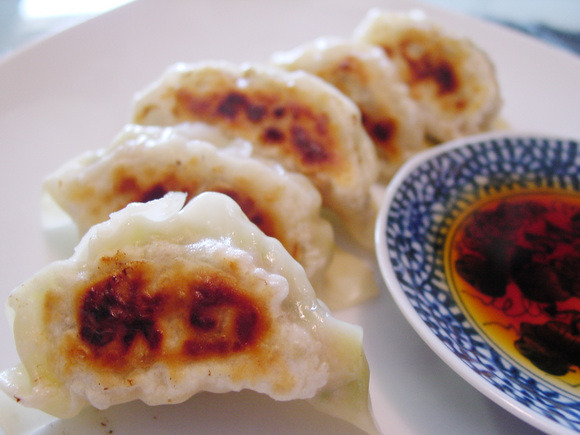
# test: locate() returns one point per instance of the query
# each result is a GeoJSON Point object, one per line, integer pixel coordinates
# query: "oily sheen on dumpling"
{"type": "Point", "coordinates": [366, 75]}
{"type": "Point", "coordinates": [450, 77]}
{"type": "Point", "coordinates": [146, 162]}
{"type": "Point", "coordinates": [161, 302]}
{"type": "Point", "coordinates": [295, 118]}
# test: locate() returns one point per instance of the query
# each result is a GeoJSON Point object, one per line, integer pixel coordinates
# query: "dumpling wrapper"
{"type": "Point", "coordinates": [294, 118]}
{"type": "Point", "coordinates": [62, 233]}
{"type": "Point", "coordinates": [162, 302]}
{"type": "Point", "coordinates": [369, 78]}
{"type": "Point", "coordinates": [146, 162]}
{"type": "Point", "coordinates": [451, 78]}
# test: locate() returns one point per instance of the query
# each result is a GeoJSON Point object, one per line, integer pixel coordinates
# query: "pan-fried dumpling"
{"type": "Point", "coordinates": [367, 76]}
{"type": "Point", "coordinates": [295, 118]}
{"type": "Point", "coordinates": [451, 78]}
{"type": "Point", "coordinates": [161, 302]}
{"type": "Point", "coordinates": [144, 163]}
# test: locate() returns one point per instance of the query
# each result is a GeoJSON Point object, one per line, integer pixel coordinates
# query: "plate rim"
{"type": "Point", "coordinates": [396, 291]}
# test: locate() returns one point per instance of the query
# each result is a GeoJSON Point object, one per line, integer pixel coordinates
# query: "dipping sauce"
{"type": "Point", "coordinates": [513, 261]}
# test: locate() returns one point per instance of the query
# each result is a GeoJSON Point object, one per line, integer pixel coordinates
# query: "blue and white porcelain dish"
{"type": "Point", "coordinates": [420, 205]}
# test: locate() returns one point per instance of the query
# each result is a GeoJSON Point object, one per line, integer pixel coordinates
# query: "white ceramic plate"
{"type": "Point", "coordinates": [73, 93]}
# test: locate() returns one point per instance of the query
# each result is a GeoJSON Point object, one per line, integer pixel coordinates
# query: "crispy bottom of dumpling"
{"type": "Point", "coordinates": [451, 78]}
{"type": "Point", "coordinates": [366, 75]}
{"type": "Point", "coordinates": [294, 118]}
{"type": "Point", "coordinates": [159, 303]}
{"type": "Point", "coordinates": [144, 163]}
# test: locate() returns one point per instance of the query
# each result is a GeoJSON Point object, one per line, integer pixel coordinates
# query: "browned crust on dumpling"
{"type": "Point", "coordinates": [136, 313]}
{"type": "Point", "coordinates": [143, 184]}
{"type": "Point", "coordinates": [452, 78]}
{"type": "Point", "coordinates": [428, 62]}
{"type": "Point", "coordinates": [268, 113]}
{"type": "Point", "coordinates": [289, 125]}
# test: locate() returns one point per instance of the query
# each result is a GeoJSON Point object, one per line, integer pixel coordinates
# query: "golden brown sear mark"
{"type": "Point", "coordinates": [130, 315]}
{"type": "Point", "coordinates": [271, 119]}
{"type": "Point", "coordinates": [138, 188]}
{"type": "Point", "coordinates": [426, 64]}
{"type": "Point", "coordinates": [382, 132]}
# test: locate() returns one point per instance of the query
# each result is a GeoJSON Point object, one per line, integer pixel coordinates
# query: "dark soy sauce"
{"type": "Point", "coordinates": [513, 262]}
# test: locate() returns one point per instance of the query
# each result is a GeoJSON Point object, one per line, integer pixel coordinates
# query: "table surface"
{"type": "Point", "coordinates": [24, 22]}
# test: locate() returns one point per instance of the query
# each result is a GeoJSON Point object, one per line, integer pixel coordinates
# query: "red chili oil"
{"type": "Point", "coordinates": [513, 262]}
